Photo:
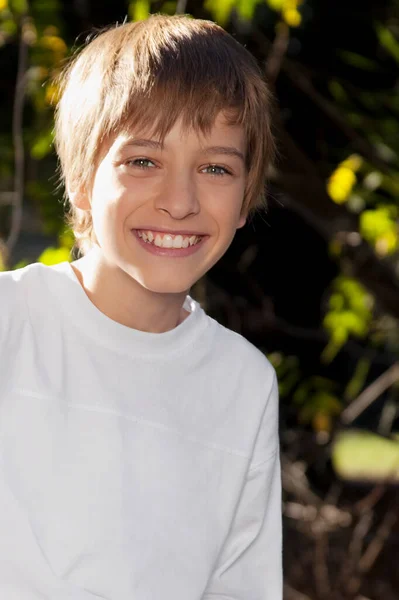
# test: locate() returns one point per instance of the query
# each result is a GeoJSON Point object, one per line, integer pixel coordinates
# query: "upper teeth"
{"type": "Point", "coordinates": [167, 240]}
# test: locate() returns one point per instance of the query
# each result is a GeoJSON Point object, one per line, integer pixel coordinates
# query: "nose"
{"type": "Point", "coordinates": [178, 196]}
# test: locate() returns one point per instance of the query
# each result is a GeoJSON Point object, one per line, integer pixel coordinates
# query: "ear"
{"type": "Point", "coordinates": [242, 221]}
{"type": "Point", "coordinates": [79, 198]}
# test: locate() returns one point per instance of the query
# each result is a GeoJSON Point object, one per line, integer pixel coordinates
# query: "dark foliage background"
{"type": "Point", "coordinates": [314, 282]}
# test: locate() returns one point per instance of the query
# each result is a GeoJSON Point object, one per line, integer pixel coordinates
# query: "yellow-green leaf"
{"type": "Point", "coordinates": [365, 456]}
{"type": "Point", "coordinates": [139, 10]}
{"type": "Point", "coordinates": [388, 41]}
{"type": "Point", "coordinates": [220, 10]}
{"type": "Point", "coordinates": [53, 256]}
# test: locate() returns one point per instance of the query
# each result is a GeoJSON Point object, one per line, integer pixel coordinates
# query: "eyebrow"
{"type": "Point", "coordinates": [154, 145]}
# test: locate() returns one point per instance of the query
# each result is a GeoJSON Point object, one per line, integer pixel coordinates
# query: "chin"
{"type": "Point", "coordinates": [165, 287]}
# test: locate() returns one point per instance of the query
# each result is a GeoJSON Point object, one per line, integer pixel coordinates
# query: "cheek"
{"type": "Point", "coordinates": [109, 197]}
{"type": "Point", "coordinates": [227, 210]}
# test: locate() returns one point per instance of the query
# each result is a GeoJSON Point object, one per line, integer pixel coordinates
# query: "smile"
{"type": "Point", "coordinates": [167, 240]}
{"type": "Point", "coordinates": [168, 245]}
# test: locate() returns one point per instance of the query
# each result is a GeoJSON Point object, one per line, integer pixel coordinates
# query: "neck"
{"type": "Point", "coordinates": [121, 298]}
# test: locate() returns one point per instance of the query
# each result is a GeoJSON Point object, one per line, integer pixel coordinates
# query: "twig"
{"type": "Point", "coordinates": [19, 153]}
{"type": "Point", "coordinates": [320, 566]}
{"type": "Point", "coordinates": [277, 53]}
{"type": "Point", "coordinates": [295, 482]}
{"type": "Point", "coordinates": [377, 543]}
{"type": "Point", "coordinates": [291, 594]}
{"type": "Point", "coordinates": [349, 571]}
{"type": "Point", "coordinates": [372, 552]}
{"type": "Point", "coordinates": [370, 394]}
{"type": "Point", "coordinates": [7, 198]}
{"type": "Point", "coordinates": [369, 501]}
{"type": "Point", "coordinates": [181, 7]}
{"type": "Point", "coordinates": [305, 84]}
{"type": "Point", "coordinates": [388, 414]}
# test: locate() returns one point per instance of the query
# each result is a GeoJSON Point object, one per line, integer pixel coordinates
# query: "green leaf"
{"type": "Point", "coordinates": [358, 379]}
{"type": "Point", "coordinates": [388, 41]}
{"type": "Point", "coordinates": [53, 256]}
{"type": "Point", "coordinates": [42, 145]}
{"type": "Point", "coordinates": [139, 10]}
{"type": "Point", "coordinates": [358, 61]}
{"type": "Point", "coordinates": [20, 264]}
{"type": "Point", "coordinates": [338, 91]}
{"type": "Point", "coordinates": [276, 4]}
{"type": "Point", "coordinates": [9, 26]}
{"type": "Point", "coordinates": [169, 8]}
{"type": "Point", "coordinates": [365, 456]}
{"type": "Point", "coordinates": [220, 10]}
{"type": "Point", "coordinates": [19, 6]}
{"type": "Point", "coordinates": [246, 8]}
{"type": "Point", "coordinates": [66, 239]}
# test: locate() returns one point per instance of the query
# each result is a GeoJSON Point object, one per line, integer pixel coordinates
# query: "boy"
{"type": "Point", "coordinates": [138, 437]}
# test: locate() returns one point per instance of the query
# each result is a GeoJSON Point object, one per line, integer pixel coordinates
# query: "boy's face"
{"type": "Point", "coordinates": [192, 185]}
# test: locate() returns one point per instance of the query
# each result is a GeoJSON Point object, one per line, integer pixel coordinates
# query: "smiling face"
{"type": "Point", "coordinates": [192, 184]}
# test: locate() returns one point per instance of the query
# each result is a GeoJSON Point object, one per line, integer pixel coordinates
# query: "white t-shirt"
{"type": "Point", "coordinates": [133, 465]}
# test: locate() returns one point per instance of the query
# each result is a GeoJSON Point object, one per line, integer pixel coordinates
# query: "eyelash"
{"type": "Point", "coordinates": [211, 166]}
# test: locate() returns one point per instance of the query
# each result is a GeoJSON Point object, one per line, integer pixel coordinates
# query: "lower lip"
{"type": "Point", "coordinates": [172, 252]}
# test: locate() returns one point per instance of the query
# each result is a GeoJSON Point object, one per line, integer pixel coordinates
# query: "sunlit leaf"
{"type": "Point", "coordinates": [54, 43]}
{"type": "Point", "coordinates": [288, 9]}
{"type": "Point", "coordinates": [342, 180]}
{"type": "Point", "coordinates": [139, 10]}
{"type": "Point", "coordinates": [52, 95]}
{"type": "Point", "coordinates": [2, 261]}
{"type": "Point", "coordinates": [53, 256]}
{"type": "Point", "coordinates": [220, 10]}
{"type": "Point", "coordinates": [9, 26]}
{"type": "Point", "coordinates": [19, 6]}
{"type": "Point", "coordinates": [42, 145]}
{"type": "Point", "coordinates": [387, 243]}
{"type": "Point", "coordinates": [358, 379]}
{"type": "Point", "coordinates": [246, 8]}
{"type": "Point", "coordinates": [66, 239]}
{"type": "Point", "coordinates": [292, 17]}
{"type": "Point", "coordinates": [378, 227]}
{"type": "Point", "coordinates": [276, 4]}
{"type": "Point", "coordinates": [340, 184]}
{"type": "Point", "coordinates": [350, 314]}
{"type": "Point", "coordinates": [365, 456]}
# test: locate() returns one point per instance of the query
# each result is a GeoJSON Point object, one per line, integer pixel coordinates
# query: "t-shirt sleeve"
{"type": "Point", "coordinates": [250, 564]}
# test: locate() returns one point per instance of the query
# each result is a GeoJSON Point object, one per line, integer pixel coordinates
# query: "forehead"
{"type": "Point", "coordinates": [221, 133]}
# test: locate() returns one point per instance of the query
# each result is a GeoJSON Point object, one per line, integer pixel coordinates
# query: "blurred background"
{"type": "Point", "coordinates": [313, 282]}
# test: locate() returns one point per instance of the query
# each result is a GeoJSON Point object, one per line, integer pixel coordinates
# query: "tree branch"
{"type": "Point", "coordinates": [277, 52]}
{"type": "Point", "coordinates": [19, 153]}
{"type": "Point", "coordinates": [370, 394]}
{"type": "Point", "coordinates": [181, 7]}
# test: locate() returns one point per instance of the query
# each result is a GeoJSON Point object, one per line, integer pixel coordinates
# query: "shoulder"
{"type": "Point", "coordinates": [14, 283]}
{"type": "Point", "coordinates": [16, 290]}
{"type": "Point", "coordinates": [247, 380]}
{"type": "Point", "coordinates": [238, 353]}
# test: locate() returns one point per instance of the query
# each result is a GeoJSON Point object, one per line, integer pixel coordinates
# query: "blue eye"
{"type": "Point", "coordinates": [141, 163]}
{"type": "Point", "coordinates": [217, 170]}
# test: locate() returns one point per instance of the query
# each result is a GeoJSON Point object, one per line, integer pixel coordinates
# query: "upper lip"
{"type": "Point", "coordinates": [164, 230]}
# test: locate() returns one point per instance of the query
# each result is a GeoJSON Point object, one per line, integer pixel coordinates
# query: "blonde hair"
{"type": "Point", "coordinates": [149, 74]}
